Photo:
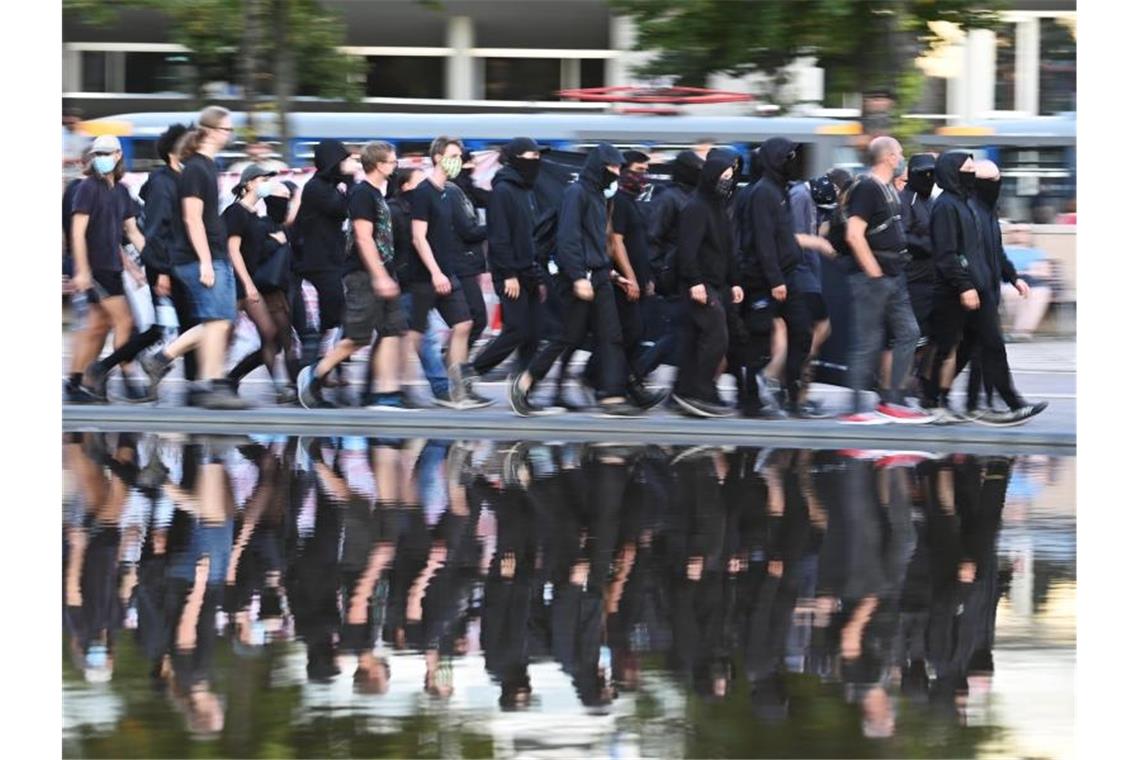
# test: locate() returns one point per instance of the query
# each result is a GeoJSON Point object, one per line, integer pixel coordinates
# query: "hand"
{"type": "Point", "coordinates": [780, 293]}
{"type": "Point", "coordinates": [583, 290]}
{"type": "Point", "coordinates": [511, 287]}
{"type": "Point", "coordinates": [279, 236]}
{"type": "Point", "coordinates": [698, 294]}
{"type": "Point", "coordinates": [1022, 288]}
{"type": "Point", "coordinates": [826, 248]}
{"type": "Point", "coordinates": [385, 287]}
{"type": "Point", "coordinates": [138, 276]}
{"type": "Point", "coordinates": [162, 286]}
{"type": "Point", "coordinates": [251, 293]}
{"type": "Point", "coordinates": [441, 283]}
{"type": "Point", "coordinates": [631, 289]}
{"type": "Point", "coordinates": [737, 294]}
{"type": "Point", "coordinates": [81, 281]}
{"type": "Point", "coordinates": [970, 300]}
{"type": "Point", "coordinates": [206, 274]}
{"type": "Point", "coordinates": [650, 289]}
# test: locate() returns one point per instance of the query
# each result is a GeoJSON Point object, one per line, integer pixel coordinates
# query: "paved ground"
{"type": "Point", "coordinates": [1043, 370]}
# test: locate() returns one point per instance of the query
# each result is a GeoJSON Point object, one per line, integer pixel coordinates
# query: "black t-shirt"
{"type": "Point", "coordinates": [878, 205]}
{"type": "Point", "coordinates": [430, 204]}
{"type": "Point", "coordinates": [367, 203]}
{"type": "Point", "coordinates": [629, 222]}
{"type": "Point", "coordinates": [107, 207]}
{"type": "Point", "coordinates": [246, 224]}
{"type": "Point", "coordinates": [199, 179]}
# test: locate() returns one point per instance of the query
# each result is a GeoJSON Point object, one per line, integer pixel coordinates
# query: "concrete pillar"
{"type": "Point", "coordinates": [460, 83]}
{"type": "Point", "coordinates": [1027, 69]}
{"type": "Point", "coordinates": [571, 74]}
{"type": "Point", "coordinates": [622, 37]}
{"type": "Point", "coordinates": [981, 65]}
{"type": "Point", "coordinates": [72, 74]}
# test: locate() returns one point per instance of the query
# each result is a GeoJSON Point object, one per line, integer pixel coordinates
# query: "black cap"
{"type": "Point", "coordinates": [520, 145]}
{"type": "Point", "coordinates": [634, 157]}
{"type": "Point", "coordinates": [921, 162]}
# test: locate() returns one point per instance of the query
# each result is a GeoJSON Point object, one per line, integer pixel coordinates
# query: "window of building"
{"type": "Point", "coordinates": [522, 78]}
{"type": "Point", "coordinates": [94, 71]}
{"type": "Point", "coordinates": [157, 72]}
{"type": "Point", "coordinates": [1058, 82]}
{"type": "Point", "coordinates": [404, 77]}
{"type": "Point", "coordinates": [1005, 74]}
{"type": "Point", "coordinates": [593, 72]}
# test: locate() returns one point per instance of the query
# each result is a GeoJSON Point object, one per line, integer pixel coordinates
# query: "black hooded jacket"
{"type": "Point", "coordinates": [665, 213]}
{"type": "Point", "coordinates": [704, 243]}
{"type": "Point", "coordinates": [916, 222]}
{"type": "Point", "coordinates": [768, 249]}
{"type": "Point", "coordinates": [955, 232]}
{"type": "Point", "coordinates": [469, 234]}
{"type": "Point", "coordinates": [320, 220]}
{"type": "Point", "coordinates": [510, 227]}
{"type": "Point", "coordinates": [160, 194]}
{"type": "Point", "coordinates": [1000, 267]}
{"type": "Point", "coordinates": [582, 218]}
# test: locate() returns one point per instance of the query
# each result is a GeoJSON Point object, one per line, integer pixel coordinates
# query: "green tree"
{"type": "Point", "coordinates": [862, 45]}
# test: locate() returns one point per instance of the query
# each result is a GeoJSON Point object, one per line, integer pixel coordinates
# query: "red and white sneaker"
{"type": "Point", "coordinates": [863, 418]}
{"type": "Point", "coordinates": [903, 414]}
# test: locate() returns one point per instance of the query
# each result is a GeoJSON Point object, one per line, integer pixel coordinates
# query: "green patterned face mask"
{"type": "Point", "coordinates": [451, 165]}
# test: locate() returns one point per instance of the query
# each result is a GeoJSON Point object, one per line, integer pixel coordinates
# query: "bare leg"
{"type": "Point", "coordinates": [457, 348]}
{"type": "Point", "coordinates": [386, 366]}
{"type": "Point", "coordinates": [89, 341]}
{"type": "Point", "coordinates": [775, 368]}
{"type": "Point", "coordinates": [213, 353]}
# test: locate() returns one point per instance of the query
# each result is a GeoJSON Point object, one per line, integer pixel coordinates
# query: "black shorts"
{"type": "Point", "coordinates": [922, 302]}
{"type": "Point", "coordinates": [105, 283]}
{"type": "Point", "coordinates": [816, 307]}
{"type": "Point", "coordinates": [365, 312]}
{"type": "Point", "coordinates": [452, 307]}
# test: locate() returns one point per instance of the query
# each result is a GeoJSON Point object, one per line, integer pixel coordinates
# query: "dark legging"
{"type": "Point", "coordinates": [274, 328]}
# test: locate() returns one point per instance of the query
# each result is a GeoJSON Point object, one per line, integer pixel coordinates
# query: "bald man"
{"type": "Point", "coordinates": [879, 295]}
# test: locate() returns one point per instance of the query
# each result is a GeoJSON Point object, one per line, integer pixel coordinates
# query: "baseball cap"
{"type": "Point", "coordinates": [105, 144]}
{"type": "Point", "coordinates": [250, 173]}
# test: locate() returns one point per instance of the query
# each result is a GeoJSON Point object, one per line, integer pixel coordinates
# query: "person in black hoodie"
{"type": "Point", "coordinates": [916, 204]}
{"type": "Point", "coordinates": [320, 227]}
{"type": "Point", "coordinates": [514, 266]}
{"type": "Point", "coordinates": [585, 288]}
{"type": "Point", "coordinates": [707, 270]}
{"type": "Point", "coordinates": [471, 261]}
{"type": "Point", "coordinates": [770, 253]}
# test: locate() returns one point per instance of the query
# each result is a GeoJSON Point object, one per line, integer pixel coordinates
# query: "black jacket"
{"type": "Point", "coordinates": [404, 253]}
{"type": "Point", "coordinates": [704, 246]}
{"type": "Point", "coordinates": [955, 232]}
{"type": "Point", "coordinates": [160, 194]}
{"type": "Point", "coordinates": [768, 249]}
{"type": "Point", "coordinates": [469, 234]}
{"type": "Point", "coordinates": [665, 214]}
{"type": "Point", "coordinates": [510, 227]}
{"type": "Point", "coordinates": [916, 222]}
{"type": "Point", "coordinates": [582, 218]}
{"type": "Point", "coordinates": [320, 220]}
{"type": "Point", "coordinates": [999, 265]}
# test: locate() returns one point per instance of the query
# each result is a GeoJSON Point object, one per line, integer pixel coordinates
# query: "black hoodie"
{"type": "Point", "coordinates": [704, 243]}
{"type": "Point", "coordinates": [582, 218]}
{"type": "Point", "coordinates": [768, 249]}
{"type": "Point", "coordinates": [664, 215]}
{"type": "Point", "coordinates": [510, 227]}
{"type": "Point", "coordinates": [999, 265]}
{"type": "Point", "coordinates": [469, 234]}
{"type": "Point", "coordinates": [160, 194]}
{"type": "Point", "coordinates": [955, 232]}
{"type": "Point", "coordinates": [320, 220]}
{"type": "Point", "coordinates": [916, 223]}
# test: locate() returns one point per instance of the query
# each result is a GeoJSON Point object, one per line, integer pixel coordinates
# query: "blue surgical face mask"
{"type": "Point", "coordinates": [611, 191]}
{"type": "Point", "coordinates": [265, 189]}
{"type": "Point", "coordinates": [104, 164]}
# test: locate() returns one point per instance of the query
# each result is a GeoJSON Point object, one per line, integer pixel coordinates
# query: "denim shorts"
{"type": "Point", "coordinates": [209, 304]}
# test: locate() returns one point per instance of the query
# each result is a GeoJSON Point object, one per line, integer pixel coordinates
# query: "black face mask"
{"type": "Point", "coordinates": [277, 208]}
{"type": "Point", "coordinates": [609, 177]}
{"type": "Point", "coordinates": [527, 169]}
{"type": "Point", "coordinates": [967, 181]}
{"type": "Point", "coordinates": [922, 182]}
{"type": "Point", "coordinates": [988, 190]}
{"type": "Point", "coordinates": [725, 187]}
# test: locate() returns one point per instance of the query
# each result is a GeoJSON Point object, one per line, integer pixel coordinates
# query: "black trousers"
{"type": "Point", "coordinates": [579, 318]}
{"type": "Point", "coordinates": [330, 296]}
{"type": "Point", "coordinates": [473, 294]}
{"type": "Point", "coordinates": [632, 328]}
{"type": "Point", "coordinates": [522, 324]}
{"type": "Point", "coordinates": [952, 323]}
{"type": "Point", "coordinates": [703, 345]}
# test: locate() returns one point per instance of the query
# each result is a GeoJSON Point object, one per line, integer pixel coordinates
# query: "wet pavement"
{"type": "Point", "coordinates": [235, 596]}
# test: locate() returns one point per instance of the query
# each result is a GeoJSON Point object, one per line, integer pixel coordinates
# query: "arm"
{"type": "Point", "coordinates": [917, 238]}
{"type": "Point", "coordinates": [469, 230]}
{"type": "Point", "coordinates": [423, 249]}
{"type": "Point", "coordinates": [661, 224]}
{"type": "Point", "coordinates": [328, 201]}
{"type": "Point", "coordinates": [131, 229]}
{"type": "Point", "coordinates": [233, 244]}
{"type": "Point", "coordinates": [764, 237]}
{"type": "Point", "coordinates": [690, 232]}
{"type": "Point", "coordinates": [860, 249]}
{"type": "Point", "coordinates": [571, 255]}
{"type": "Point", "coordinates": [500, 222]}
{"type": "Point", "coordinates": [82, 276]}
{"type": "Point", "coordinates": [944, 236]}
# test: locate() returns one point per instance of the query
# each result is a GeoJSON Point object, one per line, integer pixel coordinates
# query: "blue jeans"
{"type": "Point", "coordinates": [430, 359]}
{"type": "Point", "coordinates": [214, 303]}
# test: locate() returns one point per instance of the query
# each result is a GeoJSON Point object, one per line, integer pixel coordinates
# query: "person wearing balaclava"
{"type": "Point", "coordinates": [983, 344]}
{"type": "Point", "coordinates": [770, 252]}
{"type": "Point", "coordinates": [320, 228]}
{"type": "Point", "coordinates": [707, 273]}
{"type": "Point", "coordinates": [879, 297]}
{"type": "Point", "coordinates": [513, 260]}
{"type": "Point", "coordinates": [584, 288]}
{"type": "Point", "coordinates": [916, 203]}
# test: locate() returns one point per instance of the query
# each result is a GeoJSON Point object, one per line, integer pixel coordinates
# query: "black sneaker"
{"type": "Point", "coordinates": [621, 408]}
{"type": "Point", "coordinates": [388, 402]}
{"type": "Point", "coordinates": [1018, 416]}
{"type": "Point", "coordinates": [155, 367]}
{"type": "Point", "coordinates": [643, 397]}
{"type": "Point", "coordinates": [757, 411]}
{"type": "Point", "coordinates": [517, 399]}
{"type": "Point", "coordinates": [94, 381]}
{"type": "Point", "coordinates": [813, 410]}
{"type": "Point", "coordinates": [135, 393]}
{"type": "Point", "coordinates": [309, 390]}
{"type": "Point", "coordinates": [696, 407]}
{"type": "Point", "coordinates": [443, 398]}
{"type": "Point", "coordinates": [221, 397]}
{"type": "Point", "coordinates": [77, 394]}
{"type": "Point", "coordinates": [468, 377]}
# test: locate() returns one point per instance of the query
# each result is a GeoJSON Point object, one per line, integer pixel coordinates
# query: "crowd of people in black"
{"type": "Point", "coordinates": [737, 568]}
{"type": "Point", "coordinates": [719, 273]}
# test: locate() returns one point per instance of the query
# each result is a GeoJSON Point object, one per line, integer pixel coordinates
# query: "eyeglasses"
{"type": "Point", "coordinates": [223, 129]}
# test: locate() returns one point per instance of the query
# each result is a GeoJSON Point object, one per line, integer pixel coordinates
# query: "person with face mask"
{"type": "Point", "coordinates": [771, 251]}
{"type": "Point", "coordinates": [514, 264]}
{"type": "Point", "coordinates": [707, 269]}
{"type": "Point", "coordinates": [102, 213]}
{"type": "Point", "coordinates": [320, 228]}
{"type": "Point", "coordinates": [983, 344]}
{"type": "Point", "coordinates": [585, 288]}
{"type": "Point", "coordinates": [479, 197]}
{"type": "Point", "coordinates": [471, 261]}
{"type": "Point", "coordinates": [916, 201]}
{"type": "Point", "coordinates": [879, 297]}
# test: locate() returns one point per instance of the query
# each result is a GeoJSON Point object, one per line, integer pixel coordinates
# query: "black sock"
{"type": "Point", "coordinates": [251, 362]}
{"type": "Point", "coordinates": [944, 398]}
{"type": "Point", "coordinates": [74, 379]}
